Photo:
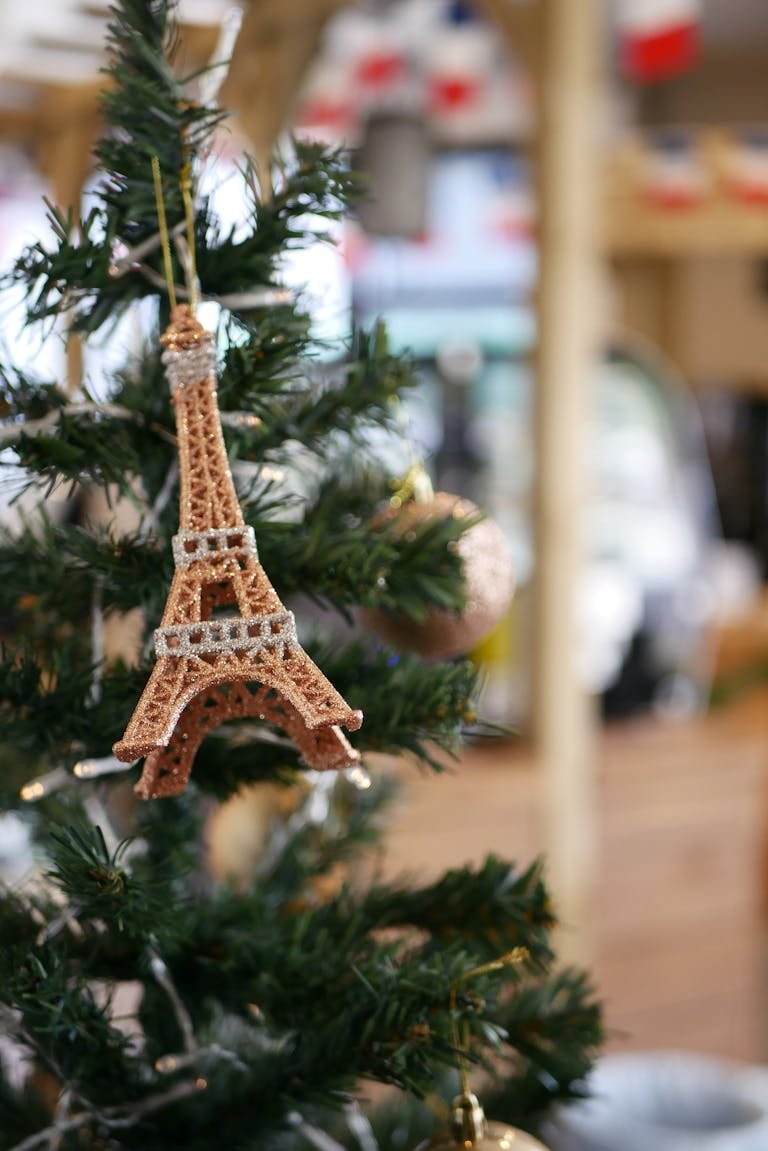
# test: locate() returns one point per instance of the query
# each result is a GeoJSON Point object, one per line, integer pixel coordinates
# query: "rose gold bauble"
{"type": "Point", "coordinates": [471, 1131]}
{"type": "Point", "coordinates": [488, 578]}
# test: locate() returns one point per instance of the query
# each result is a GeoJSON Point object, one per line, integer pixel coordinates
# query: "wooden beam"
{"type": "Point", "coordinates": [19, 123]}
{"type": "Point", "coordinates": [71, 119]}
{"type": "Point", "coordinates": [69, 124]}
{"type": "Point", "coordinates": [517, 23]}
{"type": "Point", "coordinates": [276, 45]}
{"type": "Point", "coordinates": [570, 40]}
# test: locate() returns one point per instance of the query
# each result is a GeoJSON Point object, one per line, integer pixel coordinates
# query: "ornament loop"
{"type": "Point", "coordinates": [467, 1119]}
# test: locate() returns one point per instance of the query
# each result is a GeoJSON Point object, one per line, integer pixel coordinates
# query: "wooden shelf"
{"type": "Point", "coordinates": [717, 227]}
{"type": "Point", "coordinates": [719, 224]}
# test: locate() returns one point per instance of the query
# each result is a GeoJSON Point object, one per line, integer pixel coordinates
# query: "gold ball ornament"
{"type": "Point", "coordinates": [471, 1131]}
{"type": "Point", "coordinates": [488, 578]}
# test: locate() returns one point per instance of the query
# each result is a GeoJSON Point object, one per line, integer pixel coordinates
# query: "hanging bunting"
{"type": "Point", "coordinates": [658, 38]}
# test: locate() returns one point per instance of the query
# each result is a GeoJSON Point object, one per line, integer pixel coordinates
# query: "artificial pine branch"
{"type": "Point", "coordinates": [398, 991]}
{"type": "Point", "coordinates": [99, 886]}
{"type": "Point", "coordinates": [419, 708]}
{"type": "Point", "coordinates": [275, 997]}
{"type": "Point", "coordinates": [332, 551]}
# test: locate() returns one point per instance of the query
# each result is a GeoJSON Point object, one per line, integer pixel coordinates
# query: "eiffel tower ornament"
{"type": "Point", "coordinates": [213, 668]}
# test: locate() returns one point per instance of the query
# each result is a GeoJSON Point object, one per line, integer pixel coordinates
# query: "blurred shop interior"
{"type": "Point", "coordinates": [656, 813]}
{"type": "Point", "coordinates": [440, 108]}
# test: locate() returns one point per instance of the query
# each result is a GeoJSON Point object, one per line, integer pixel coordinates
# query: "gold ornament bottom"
{"type": "Point", "coordinates": [472, 1131]}
{"type": "Point", "coordinates": [497, 1137]}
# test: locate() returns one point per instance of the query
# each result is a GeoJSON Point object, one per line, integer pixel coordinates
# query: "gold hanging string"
{"type": "Point", "coordinates": [415, 485]}
{"type": "Point", "coordinates": [185, 179]}
{"type": "Point", "coordinates": [461, 1040]}
{"type": "Point", "coordinates": [164, 236]}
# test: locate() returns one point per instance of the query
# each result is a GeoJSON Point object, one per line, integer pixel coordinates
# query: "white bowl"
{"type": "Point", "coordinates": [662, 1101]}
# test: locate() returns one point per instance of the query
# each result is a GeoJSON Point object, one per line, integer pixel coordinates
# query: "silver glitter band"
{"type": "Point", "coordinates": [210, 637]}
{"type": "Point", "coordinates": [188, 365]}
{"type": "Point", "coordinates": [191, 546]}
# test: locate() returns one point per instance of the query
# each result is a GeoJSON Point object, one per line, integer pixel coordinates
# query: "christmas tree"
{"type": "Point", "coordinates": [145, 1002]}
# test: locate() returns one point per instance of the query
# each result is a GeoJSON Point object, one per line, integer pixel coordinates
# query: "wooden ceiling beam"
{"type": "Point", "coordinates": [518, 22]}
{"type": "Point", "coordinates": [276, 45]}
{"type": "Point", "coordinates": [69, 124]}
{"type": "Point", "coordinates": [19, 124]}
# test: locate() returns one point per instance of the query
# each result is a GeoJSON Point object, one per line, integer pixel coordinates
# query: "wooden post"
{"type": "Point", "coordinates": [570, 45]}
{"type": "Point", "coordinates": [70, 122]}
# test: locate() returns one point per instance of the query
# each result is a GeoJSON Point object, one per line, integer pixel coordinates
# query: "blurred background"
{"type": "Point", "coordinates": [566, 227]}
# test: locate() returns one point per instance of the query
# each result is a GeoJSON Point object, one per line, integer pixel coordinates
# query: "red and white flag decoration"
{"type": "Point", "coordinates": [328, 107]}
{"type": "Point", "coordinates": [659, 38]}
{"type": "Point", "coordinates": [747, 168]}
{"type": "Point", "coordinates": [458, 62]}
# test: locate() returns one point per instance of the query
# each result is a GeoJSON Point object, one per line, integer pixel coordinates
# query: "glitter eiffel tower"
{"type": "Point", "coordinates": [212, 667]}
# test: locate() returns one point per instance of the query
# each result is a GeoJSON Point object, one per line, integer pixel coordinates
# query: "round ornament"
{"type": "Point", "coordinates": [488, 577]}
{"type": "Point", "coordinates": [471, 1131]}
